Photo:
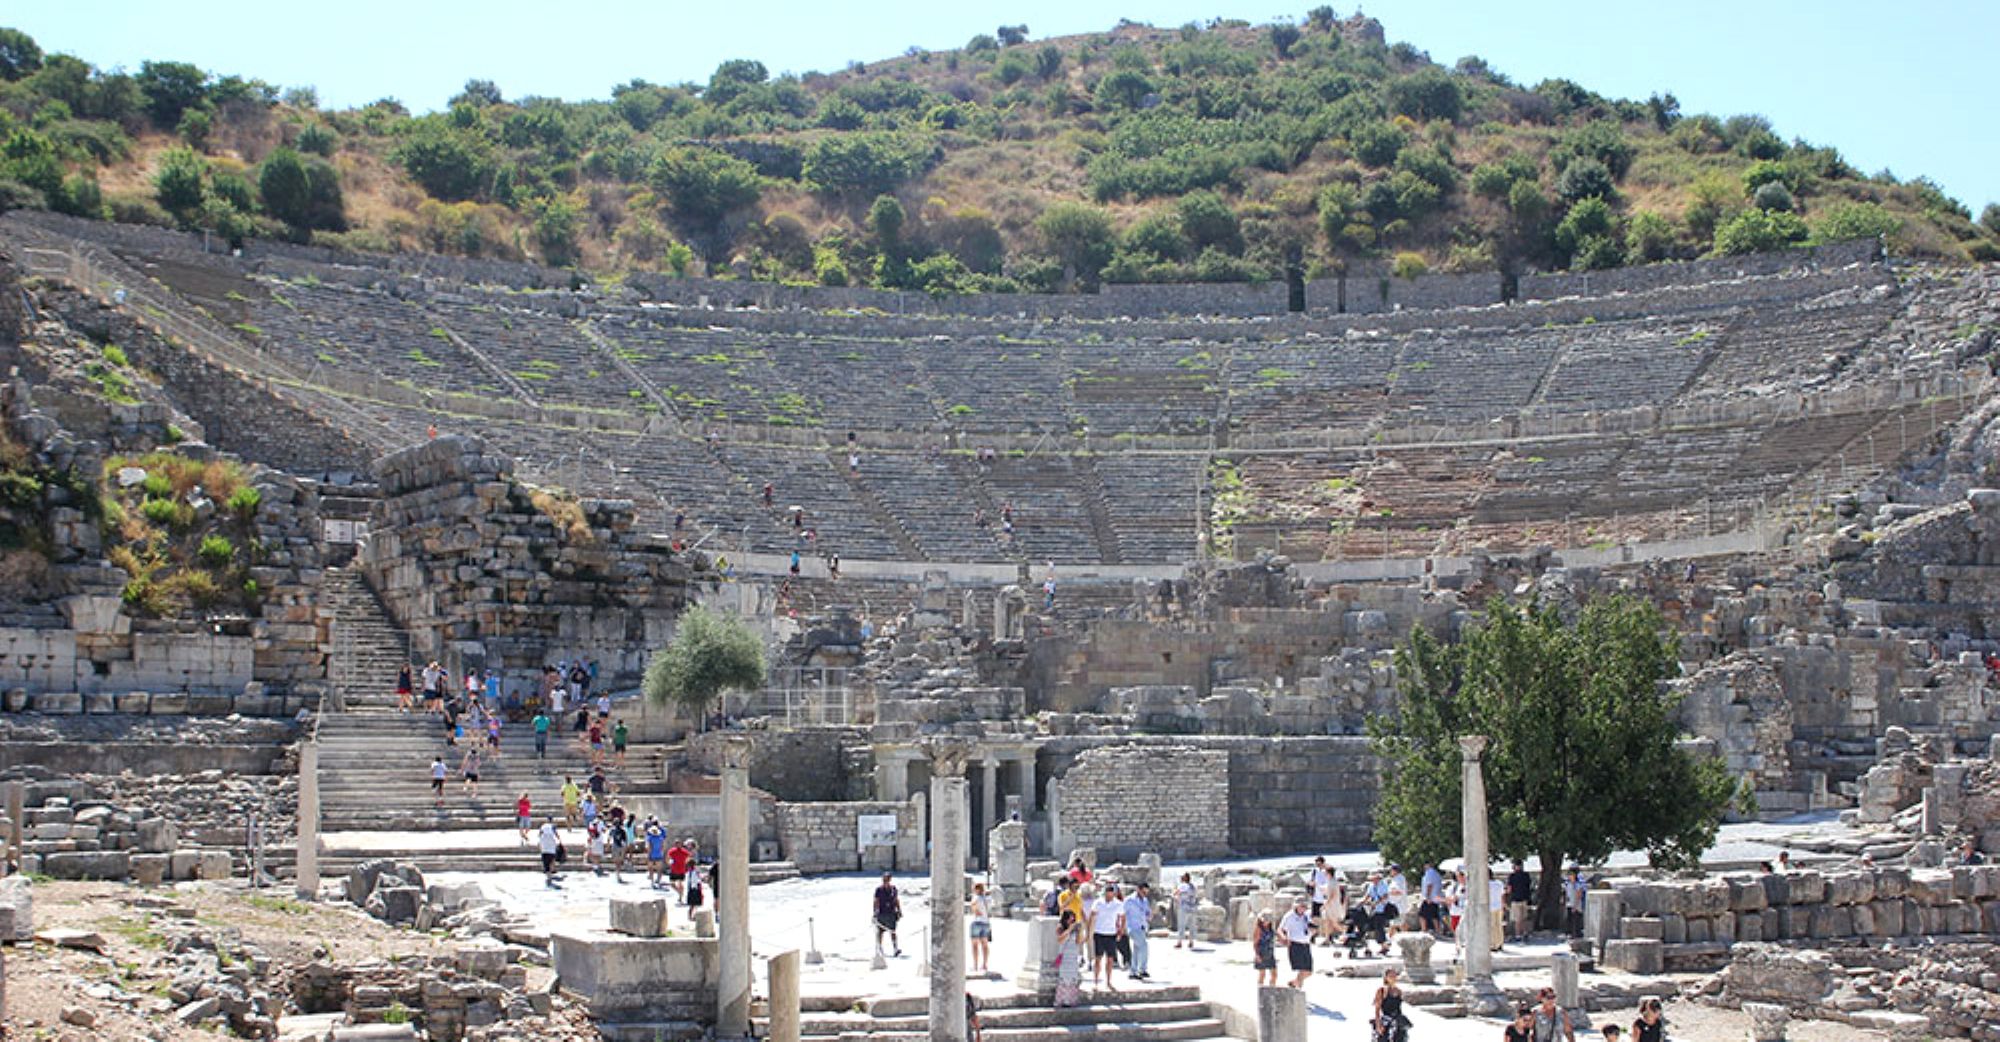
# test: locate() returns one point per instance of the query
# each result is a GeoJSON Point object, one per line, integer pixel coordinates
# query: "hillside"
{"type": "Point", "coordinates": [1229, 152]}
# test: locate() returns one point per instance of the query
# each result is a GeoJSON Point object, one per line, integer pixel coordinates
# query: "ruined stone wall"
{"type": "Point", "coordinates": [822, 837]}
{"type": "Point", "coordinates": [806, 764]}
{"type": "Point", "coordinates": [478, 574]}
{"type": "Point", "coordinates": [1661, 276]}
{"type": "Point", "coordinates": [1126, 800]}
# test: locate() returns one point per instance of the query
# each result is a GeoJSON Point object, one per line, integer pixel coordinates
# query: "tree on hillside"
{"type": "Point", "coordinates": [1583, 759]}
{"type": "Point", "coordinates": [1079, 236]}
{"type": "Point", "coordinates": [709, 655]}
{"type": "Point", "coordinates": [20, 55]}
{"type": "Point", "coordinates": [170, 89]}
{"type": "Point", "coordinates": [1284, 36]}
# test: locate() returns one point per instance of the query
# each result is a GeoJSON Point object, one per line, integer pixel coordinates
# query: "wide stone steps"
{"type": "Point", "coordinates": [1171, 1013]}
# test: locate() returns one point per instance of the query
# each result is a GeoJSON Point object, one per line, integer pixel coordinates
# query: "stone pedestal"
{"type": "Point", "coordinates": [1281, 1015]}
{"type": "Point", "coordinates": [704, 923]}
{"type": "Point", "coordinates": [1038, 969]}
{"type": "Point", "coordinates": [1563, 972]}
{"type": "Point", "coordinates": [1007, 856]}
{"type": "Point", "coordinates": [1767, 1021]}
{"type": "Point", "coordinates": [307, 865]}
{"type": "Point", "coordinates": [17, 811]}
{"type": "Point", "coordinates": [1481, 997]}
{"type": "Point", "coordinates": [732, 898]}
{"type": "Point", "coordinates": [784, 972]}
{"type": "Point", "coordinates": [949, 839]}
{"type": "Point", "coordinates": [1415, 950]}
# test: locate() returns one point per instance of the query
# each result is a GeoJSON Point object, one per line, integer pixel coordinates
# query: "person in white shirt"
{"type": "Point", "coordinates": [1496, 908]}
{"type": "Point", "coordinates": [1187, 904]}
{"type": "Point", "coordinates": [1107, 924]}
{"type": "Point", "coordinates": [1296, 930]}
{"type": "Point", "coordinates": [551, 844]}
{"type": "Point", "coordinates": [1399, 898]}
{"type": "Point", "coordinates": [1138, 916]}
{"type": "Point", "coordinates": [1431, 911]}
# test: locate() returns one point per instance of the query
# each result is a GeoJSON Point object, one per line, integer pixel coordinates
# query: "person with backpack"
{"type": "Point", "coordinates": [552, 853]}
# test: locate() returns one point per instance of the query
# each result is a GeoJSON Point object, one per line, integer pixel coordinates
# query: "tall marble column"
{"type": "Point", "coordinates": [989, 794]}
{"type": "Point", "coordinates": [1481, 997]}
{"type": "Point", "coordinates": [949, 839]}
{"type": "Point", "coordinates": [307, 859]}
{"type": "Point", "coordinates": [732, 898]}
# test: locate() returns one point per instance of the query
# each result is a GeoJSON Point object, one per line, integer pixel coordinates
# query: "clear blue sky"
{"type": "Point", "coordinates": [1905, 86]}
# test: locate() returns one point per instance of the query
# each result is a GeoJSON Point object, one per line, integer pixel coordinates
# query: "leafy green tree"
{"type": "Point", "coordinates": [1602, 141]}
{"type": "Point", "coordinates": [1585, 179]}
{"type": "Point", "coordinates": [1583, 758]}
{"type": "Point", "coordinates": [478, 94]}
{"type": "Point", "coordinates": [300, 192]}
{"type": "Point", "coordinates": [29, 158]}
{"type": "Point", "coordinates": [1989, 218]}
{"type": "Point", "coordinates": [1377, 143]}
{"type": "Point", "coordinates": [1048, 61]}
{"type": "Point", "coordinates": [1665, 110]}
{"type": "Point", "coordinates": [1844, 221]}
{"type": "Point", "coordinates": [866, 164]}
{"type": "Point", "coordinates": [451, 163]}
{"type": "Point", "coordinates": [1077, 235]}
{"type": "Point", "coordinates": [1428, 93]}
{"type": "Point", "coordinates": [1773, 195]}
{"type": "Point", "coordinates": [885, 222]}
{"type": "Point", "coordinates": [1011, 35]}
{"type": "Point", "coordinates": [1156, 237]}
{"type": "Point", "coordinates": [171, 88]}
{"type": "Point", "coordinates": [1284, 36]}
{"type": "Point", "coordinates": [20, 55]}
{"type": "Point", "coordinates": [981, 44]}
{"type": "Point", "coordinates": [1207, 221]}
{"type": "Point", "coordinates": [1649, 237]}
{"type": "Point", "coordinates": [733, 78]}
{"type": "Point", "coordinates": [1584, 231]}
{"type": "Point", "coordinates": [558, 220]}
{"type": "Point", "coordinates": [178, 183]}
{"type": "Point", "coordinates": [1124, 89]}
{"type": "Point", "coordinates": [702, 185]}
{"type": "Point", "coordinates": [709, 655]}
{"type": "Point", "coordinates": [1759, 231]}
{"type": "Point", "coordinates": [194, 128]}
{"type": "Point", "coordinates": [1320, 19]}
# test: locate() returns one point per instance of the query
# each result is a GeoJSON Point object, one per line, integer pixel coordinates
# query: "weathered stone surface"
{"type": "Point", "coordinates": [639, 917]}
{"type": "Point", "coordinates": [1641, 957]}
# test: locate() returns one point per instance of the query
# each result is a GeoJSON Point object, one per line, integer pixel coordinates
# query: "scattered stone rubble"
{"type": "Point", "coordinates": [70, 833]}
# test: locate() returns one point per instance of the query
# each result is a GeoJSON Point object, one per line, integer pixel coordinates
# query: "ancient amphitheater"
{"type": "Point", "coordinates": [1141, 557]}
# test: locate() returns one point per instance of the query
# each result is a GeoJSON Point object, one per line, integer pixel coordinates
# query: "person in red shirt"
{"type": "Point", "coordinates": [1080, 872]}
{"type": "Point", "coordinates": [678, 860]}
{"type": "Point", "coordinates": [523, 816]}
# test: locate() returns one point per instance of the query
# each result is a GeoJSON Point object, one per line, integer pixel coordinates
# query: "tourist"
{"type": "Point", "coordinates": [1359, 924]}
{"type": "Point", "coordinates": [1382, 912]}
{"type": "Point", "coordinates": [853, 463]}
{"type": "Point", "coordinates": [1651, 1026]}
{"type": "Point", "coordinates": [1454, 898]}
{"type": "Point", "coordinates": [1611, 1033]}
{"type": "Point", "coordinates": [572, 798]}
{"type": "Point", "coordinates": [656, 852]}
{"type": "Point", "coordinates": [620, 735]}
{"type": "Point", "coordinates": [492, 690]}
{"type": "Point", "coordinates": [1574, 889]}
{"type": "Point", "coordinates": [1520, 892]}
{"type": "Point", "coordinates": [431, 674]}
{"type": "Point", "coordinates": [552, 853]}
{"type": "Point", "coordinates": [833, 566]}
{"type": "Point", "coordinates": [403, 700]}
{"type": "Point", "coordinates": [1969, 854]}
{"type": "Point", "coordinates": [603, 706]}
{"type": "Point", "coordinates": [695, 890]}
{"type": "Point", "coordinates": [768, 493]}
{"type": "Point", "coordinates": [980, 907]}
{"type": "Point", "coordinates": [594, 738]}
{"type": "Point", "coordinates": [438, 772]}
{"type": "Point", "coordinates": [599, 786]}
{"type": "Point", "coordinates": [579, 682]}
{"type": "Point", "coordinates": [888, 912]}
{"type": "Point", "coordinates": [470, 767]}
{"type": "Point", "coordinates": [1551, 1022]}
{"type": "Point", "coordinates": [541, 726]}
{"type": "Point", "coordinates": [1389, 1023]}
{"type": "Point", "coordinates": [1069, 896]}
{"type": "Point", "coordinates": [493, 735]}
{"type": "Point", "coordinates": [590, 809]}
{"type": "Point", "coordinates": [593, 840]}
{"type": "Point", "coordinates": [973, 1031]}
{"type": "Point", "coordinates": [1069, 959]}
{"type": "Point", "coordinates": [1523, 1027]}
{"type": "Point", "coordinates": [1496, 908]}
{"type": "Point", "coordinates": [1187, 908]}
{"type": "Point", "coordinates": [1138, 916]}
{"type": "Point", "coordinates": [619, 841]}
{"type": "Point", "coordinates": [1264, 950]}
{"type": "Point", "coordinates": [523, 816]}
{"type": "Point", "coordinates": [679, 858]}
{"type": "Point", "coordinates": [1079, 871]}
{"type": "Point", "coordinates": [1784, 861]}
{"type": "Point", "coordinates": [1296, 929]}
{"type": "Point", "coordinates": [795, 564]}
{"type": "Point", "coordinates": [1319, 883]}
{"type": "Point", "coordinates": [1107, 924]}
{"type": "Point", "coordinates": [1431, 911]}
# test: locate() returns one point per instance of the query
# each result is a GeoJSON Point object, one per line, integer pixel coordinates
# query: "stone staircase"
{"type": "Point", "coordinates": [368, 648]}
{"type": "Point", "coordinates": [1163, 1013]}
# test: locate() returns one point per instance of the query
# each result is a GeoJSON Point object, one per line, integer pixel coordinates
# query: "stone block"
{"type": "Point", "coordinates": [214, 864]}
{"type": "Point", "coordinates": [156, 836]}
{"type": "Point", "coordinates": [1806, 888]}
{"type": "Point", "coordinates": [1863, 917]}
{"type": "Point", "coordinates": [181, 864]}
{"type": "Point", "coordinates": [1768, 1021]}
{"type": "Point", "coordinates": [395, 904]}
{"type": "Point", "coordinates": [1777, 888]}
{"type": "Point", "coordinates": [1723, 928]}
{"type": "Point", "coordinates": [1932, 886]}
{"type": "Point", "coordinates": [1641, 929]}
{"type": "Point", "coordinates": [150, 869]}
{"type": "Point", "coordinates": [1891, 883]}
{"type": "Point", "coordinates": [1700, 931]}
{"type": "Point", "coordinates": [633, 978]}
{"type": "Point", "coordinates": [1746, 894]}
{"type": "Point", "coordinates": [1768, 924]}
{"type": "Point", "coordinates": [1674, 929]}
{"type": "Point", "coordinates": [639, 917]}
{"type": "Point", "coordinates": [1644, 957]}
{"type": "Point", "coordinates": [96, 864]}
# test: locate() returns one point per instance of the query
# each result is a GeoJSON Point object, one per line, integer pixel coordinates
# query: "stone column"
{"type": "Point", "coordinates": [989, 796]}
{"type": "Point", "coordinates": [307, 863]}
{"type": "Point", "coordinates": [1056, 837]}
{"type": "Point", "coordinates": [1569, 989]}
{"type": "Point", "coordinates": [17, 811]}
{"type": "Point", "coordinates": [1481, 997]}
{"type": "Point", "coordinates": [1281, 1015]}
{"type": "Point", "coordinates": [732, 898]}
{"type": "Point", "coordinates": [784, 971]}
{"type": "Point", "coordinates": [949, 837]}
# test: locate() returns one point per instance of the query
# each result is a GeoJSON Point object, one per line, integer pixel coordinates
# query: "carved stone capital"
{"type": "Point", "coordinates": [948, 755]}
{"type": "Point", "coordinates": [1472, 747]}
{"type": "Point", "coordinates": [736, 751]}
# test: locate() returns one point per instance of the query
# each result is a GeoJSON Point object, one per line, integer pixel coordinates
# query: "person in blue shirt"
{"type": "Point", "coordinates": [656, 852]}
{"type": "Point", "coordinates": [1138, 915]}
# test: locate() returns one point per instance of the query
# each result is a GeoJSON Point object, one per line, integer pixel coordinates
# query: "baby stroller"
{"type": "Point", "coordinates": [1358, 926]}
